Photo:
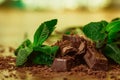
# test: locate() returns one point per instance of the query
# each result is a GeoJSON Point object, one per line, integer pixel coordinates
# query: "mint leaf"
{"type": "Point", "coordinates": [46, 49]}
{"type": "Point", "coordinates": [95, 30]}
{"type": "Point", "coordinates": [44, 31]}
{"type": "Point", "coordinates": [45, 54]}
{"type": "Point", "coordinates": [113, 36]}
{"type": "Point", "coordinates": [112, 51]}
{"type": "Point", "coordinates": [113, 26]}
{"type": "Point", "coordinates": [42, 58]}
{"type": "Point", "coordinates": [22, 56]}
{"type": "Point", "coordinates": [26, 43]}
{"type": "Point", "coordinates": [22, 52]}
{"type": "Point", "coordinates": [54, 50]}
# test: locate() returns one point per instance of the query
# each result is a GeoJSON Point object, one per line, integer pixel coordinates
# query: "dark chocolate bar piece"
{"type": "Point", "coordinates": [62, 64]}
{"type": "Point", "coordinates": [95, 60]}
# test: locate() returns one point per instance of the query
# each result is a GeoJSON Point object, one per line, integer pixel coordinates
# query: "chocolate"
{"type": "Point", "coordinates": [79, 60]}
{"type": "Point", "coordinates": [65, 48]}
{"type": "Point", "coordinates": [62, 64]}
{"type": "Point", "coordinates": [75, 40]}
{"type": "Point", "coordinates": [82, 48]}
{"type": "Point", "coordinates": [95, 60]}
{"type": "Point", "coordinates": [68, 50]}
{"type": "Point", "coordinates": [71, 44]}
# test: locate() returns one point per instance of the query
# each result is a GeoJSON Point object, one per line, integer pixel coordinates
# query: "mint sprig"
{"type": "Point", "coordinates": [36, 51]}
{"type": "Point", "coordinates": [106, 36]}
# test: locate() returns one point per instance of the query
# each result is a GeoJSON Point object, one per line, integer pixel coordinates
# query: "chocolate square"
{"type": "Point", "coordinates": [96, 60]}
{"type": "Point", "coordinates": [61, 64]}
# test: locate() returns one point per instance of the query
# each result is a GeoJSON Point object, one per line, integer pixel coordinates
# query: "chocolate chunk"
{"type": "Point", "coordinates": [74, 39]}
{"type": "Point", "coordinates": [65, 48]}
{"type": "Point", "coordinates": [71, 45]}
{"type": "Point", "coordinates": [82, 48]}
{"type": "Point", "coordinates": [95, 60]}
{"type": "Point", "coordinates": [62, 64]}
{"type": "Point", "coordinates": [68, 50]}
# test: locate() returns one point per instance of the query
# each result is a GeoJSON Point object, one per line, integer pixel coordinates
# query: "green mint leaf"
{"type": "Point", "coordinates": [112, 51]}
{"type": "Point", "coordinates": [46, 49]}
{"type": "Point", "coordinates": [22, 56]}
{"type": "Point", "coordinates": [26, 43]}
{"type": "Point", "coordinates": [95, 30]}
{"type": "Point", "coordinates": [112, 36]}
{"type": "Point", "coordinates": [44, 31]}
{"type": "Point", "coordinates": [45, 54]}
{"type": "Point", "coordinates": [42, 59]}
{"type": "Point", "coordinates": [113, 28]}
{"type": "Point", "coordinates": [54, 50]}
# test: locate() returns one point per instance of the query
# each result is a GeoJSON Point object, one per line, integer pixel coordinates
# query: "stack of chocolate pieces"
{"type": "Point", "coordinates": [75, 50]}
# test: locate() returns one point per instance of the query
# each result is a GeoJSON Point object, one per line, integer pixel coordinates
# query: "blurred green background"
{"type": "Point", "coordinates": [20, 18]}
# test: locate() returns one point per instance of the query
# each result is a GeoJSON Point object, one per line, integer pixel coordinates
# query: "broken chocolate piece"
{"type": "Point", "coordinates": [82, 48]}
{"type": "Point", "coordinates": [65, 48]}
{"type": "Point", "coordinates": [74, 39]}
{"type": "Point", "coordinates": [71, 45]}
{"type": "Point", "coordinates": [62, 64]}
{"type": "Point", "coordinates": [95, 60]}
{"type": "Point", "coordinates": [68, 50]}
